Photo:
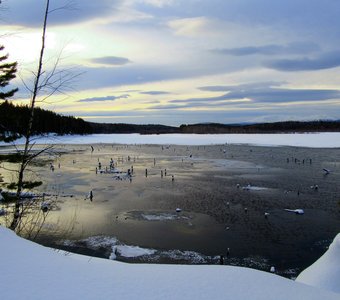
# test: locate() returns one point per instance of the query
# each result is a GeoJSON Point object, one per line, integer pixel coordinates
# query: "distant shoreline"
{"type": "Point", "coordinates": [219, 128]}
{"type": "Point", "coordinates": [311, 140]}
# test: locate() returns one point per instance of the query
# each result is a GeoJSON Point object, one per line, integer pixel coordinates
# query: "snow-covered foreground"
{"type": "Point", "coordinates": [325, 272]}
{"type": "Point", "coordinates": [315, 140]}
{"type": "Point", "coordinates": [31, 271]}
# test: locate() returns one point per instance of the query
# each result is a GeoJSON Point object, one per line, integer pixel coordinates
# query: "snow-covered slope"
{"type": "Point", "coordinates": [31, 271]}
{"type": "Point", "coordinates": [325, 272]}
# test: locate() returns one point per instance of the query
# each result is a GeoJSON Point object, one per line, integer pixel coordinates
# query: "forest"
{"type": "Point", "coordinates": [14, 118]}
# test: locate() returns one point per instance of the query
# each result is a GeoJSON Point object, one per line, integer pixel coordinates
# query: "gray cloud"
{"type": "Point", "coordinates": [107, 98]}
{"type": "Point", "coordinates": [111, 60]}
{"type": "Point", "coordinates": [198, 103]}
{"type": "Point", "coordinates": [131, 74]}
{"type": "Point", "coordinates": [168, 106]}
{"type": "Point", "coordinates": [280, 95]}
{"type": "Point", "coordinates": [300, 15]}
{"type": "Point", "coordinates": [291, 48]}
{"type": "Point", "coordinates": [126, 75]}
{"type": "Point", "coordinates": [30, 13]}
{"type": "Point", "coordinates": [247, 86]}
{"type": "Point", "coordinates": [259, 93]}
{"type": "Point", "coordinates": [154, 93]}
{"type": "Point", "coordinates": [178, 117]}
{"type": "Point", "coordinates": [325, 61]}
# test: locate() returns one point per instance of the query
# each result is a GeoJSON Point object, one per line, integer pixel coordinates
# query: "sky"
{"type": "Point", "coordinates": [176, 62]}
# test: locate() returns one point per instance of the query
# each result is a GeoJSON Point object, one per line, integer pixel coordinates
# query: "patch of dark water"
{"type": "Point", "coordinates": [170, 237]}
{"type": "Point", "coordinates": [112, 248]}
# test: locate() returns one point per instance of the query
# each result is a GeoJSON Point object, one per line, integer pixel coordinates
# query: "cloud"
{"type": "Point", "coordinates": [100, 77]}
{"type": "Point", "coordinates": [155, 93]}
{"type": "Point", "coordinates": [324, 61]}
{"type": "Point", "coordinates": [266, 92]}
{"type": "Point", "coordinates": [107, 98]}
{"type": "Point", "coordinates": [246, 86]}
{"type": "Point", "coordinates": [272, 49]}
{"type": "Point", "coordinates": [300, 15]}
{"type": "Point", "coordinates": [157, 3]}
{"type": "Point", "coordinates": [190, 26]}
{"type": "Point", "coordinates": [167, 106]}
{"type": "Point", "coordinates": [178, 117]}
{"type": "Point", "coordinates": [205, 103]}
{"type": "Point", "coordinates": [131, 74]}
{"type": "Point", "coordinates": [277, 95]}
{"type": "Point", "coordinates": [30, 13]}
{"type": "Point", "coordinates": [111, 60]}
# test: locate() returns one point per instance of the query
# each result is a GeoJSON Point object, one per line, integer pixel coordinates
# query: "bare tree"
{"type": "Point", "coordinates": [51, 82]}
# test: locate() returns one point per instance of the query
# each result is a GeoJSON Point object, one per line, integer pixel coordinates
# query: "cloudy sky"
{"type": "Point", "coordinates": [182, 61]}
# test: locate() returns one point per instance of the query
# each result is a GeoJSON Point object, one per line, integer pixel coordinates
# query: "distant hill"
{"type": "Point", "coordinates": [13, 118]}
{"type": "Point", "coordinates": [277, 127]}
{"type": "Point", "coordinates": [132, 128]}
{"type": "Point", "coordinates": [216, 128]}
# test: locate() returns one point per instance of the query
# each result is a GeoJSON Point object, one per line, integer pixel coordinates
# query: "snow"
{"type": "Point", "coordinates": [325, 272]}
{"type": "Point", "coordinates": [314, 140]}
{"type": "Point", "coordinates": [160, 217]}
{"type": "Point", "coordinates": [133, 251]}
{"type": "Point", "coordinates": [253, 188]}
{"type": "Point", "coordinates": [298, 211]}
{"type": "Point", "coordinates": [31, 271]}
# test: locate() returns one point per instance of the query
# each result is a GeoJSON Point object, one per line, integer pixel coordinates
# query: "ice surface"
{"type": "Point", "coordinates": [315, 140]}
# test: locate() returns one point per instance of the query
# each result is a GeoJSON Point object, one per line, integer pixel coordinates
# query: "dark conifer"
{"type": "Point", "coordinates": [7, 73]}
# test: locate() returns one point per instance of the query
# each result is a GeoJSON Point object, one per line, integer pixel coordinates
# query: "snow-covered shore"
{"type": "Point", "coordinates": [31, 271]}
{"type": "Point", "coordinates": [314, 140]}
{"type": "Point", "coordinates": [325, 272]}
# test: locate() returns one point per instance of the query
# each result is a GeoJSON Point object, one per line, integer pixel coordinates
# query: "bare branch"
{"type": "Point", "coordinates": [25, 85]}
{"type": "Point", "coordinates": [71, 5]}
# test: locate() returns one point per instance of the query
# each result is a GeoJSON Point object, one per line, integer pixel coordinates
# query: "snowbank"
{"type": "Point", "coordinates": [31, 271]}
{"type": "Point", "coordinates": [314, 140]}
{"type": "Point", "coordinates": [325, 272]}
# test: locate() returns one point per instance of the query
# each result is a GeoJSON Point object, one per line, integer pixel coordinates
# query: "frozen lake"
{"type": "Point", "coordinates": [313, 140]}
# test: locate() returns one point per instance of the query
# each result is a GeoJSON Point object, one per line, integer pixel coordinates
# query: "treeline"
{"type": "Point", "coordinates": [132, 128]}
{"type": "Point", "coordinates": [14, 118]}
{"type": "Point", "coordinates": [277, 127]}
{"type": "Point", "coordinates": [216, 128]}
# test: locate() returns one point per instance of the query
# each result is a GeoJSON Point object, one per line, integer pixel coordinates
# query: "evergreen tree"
{"type": "Point", "coordinates": [7, 73]}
